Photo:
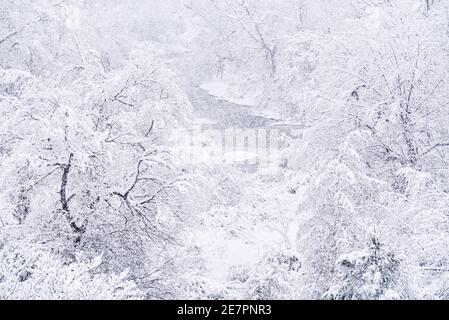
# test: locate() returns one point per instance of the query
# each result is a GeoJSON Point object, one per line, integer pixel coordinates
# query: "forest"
{"type": "Point", "coordinates": [224, 149]}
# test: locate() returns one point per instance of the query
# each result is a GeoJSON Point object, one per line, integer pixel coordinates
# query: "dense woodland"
{"type": "Point", "coordinates": [96, 204]}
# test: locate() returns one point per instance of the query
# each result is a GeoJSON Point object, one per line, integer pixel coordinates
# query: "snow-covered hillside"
{"type": "Point", "coordinates": [224, 149]}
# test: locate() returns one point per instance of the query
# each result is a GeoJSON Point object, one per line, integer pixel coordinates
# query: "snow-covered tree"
{"type": "Point", "coordinates": [371, 274]}
{"type": "Point", "coordinates": [45, 277]}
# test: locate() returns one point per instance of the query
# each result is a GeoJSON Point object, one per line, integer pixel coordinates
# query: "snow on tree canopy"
{"type": "Point", "coordinates": [224, 149]}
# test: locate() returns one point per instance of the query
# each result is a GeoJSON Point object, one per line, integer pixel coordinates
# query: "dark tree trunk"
{"type": "Point", "coordinates": [65, 201]}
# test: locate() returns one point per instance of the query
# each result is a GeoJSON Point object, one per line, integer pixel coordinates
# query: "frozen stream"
{"type": "Point", "coordinates": [262, 220]}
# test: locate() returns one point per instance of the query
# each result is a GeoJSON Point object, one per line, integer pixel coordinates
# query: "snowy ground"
{"type": "Point", "coordinates": [264, 220]}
